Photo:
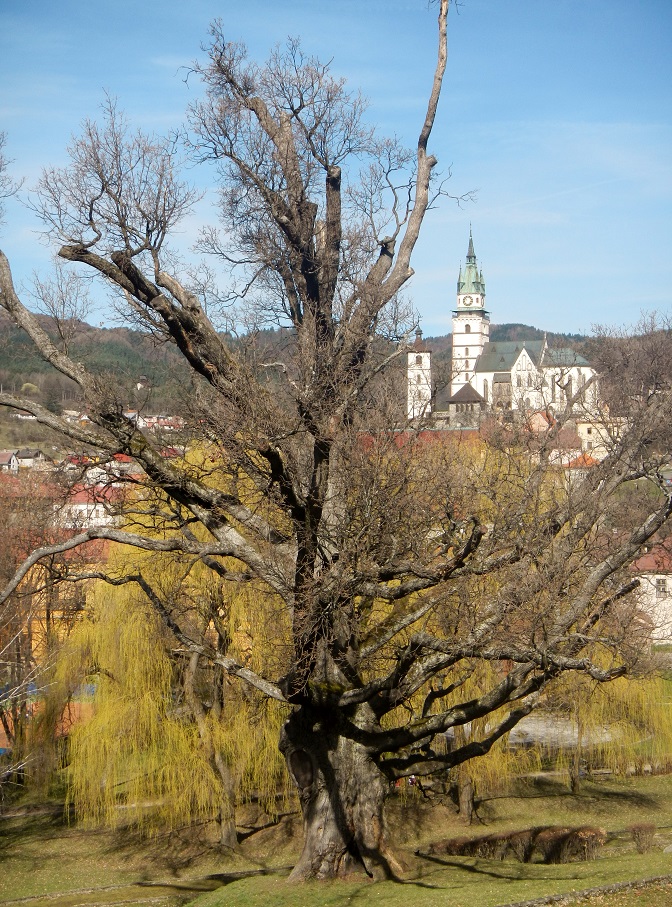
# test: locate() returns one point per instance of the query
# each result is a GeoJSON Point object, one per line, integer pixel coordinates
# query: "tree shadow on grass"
{"type": "Point", "coordinates": [250, 830]}
{"type": "Point", "coordinates": [544, 786]}
{"type": "Point", "coordinates": [515, 872]}
{"type": "Point", "coordinates": [32, 824]}
{"type": "Point", "coordinates": [214, 880]}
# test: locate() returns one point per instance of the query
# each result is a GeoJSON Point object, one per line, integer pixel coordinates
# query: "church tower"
{"type": "Point", "coordinates": [419, 379]}
{"type": "Point", "coordinates": [471, 321]}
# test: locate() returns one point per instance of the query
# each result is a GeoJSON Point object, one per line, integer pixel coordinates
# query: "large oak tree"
{"type": "Point", "coordinates": [391, 563]}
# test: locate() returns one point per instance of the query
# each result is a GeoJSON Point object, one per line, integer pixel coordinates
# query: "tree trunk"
{"type": "Point", "coordinates": [226, 818]}
{"type": "Point", "coordinates": [465, 787]}
{"type": "Point", "coordinates": [575, 761]}
{"type": "Point", "coordinates": [342, 794]}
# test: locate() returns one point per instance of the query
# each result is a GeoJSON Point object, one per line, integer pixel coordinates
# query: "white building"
{"type": "Point", "coordinates": [471, 322]}
{"type": "Point", "coordinates": [419, 371]}
{"type": "Point", "coordinates": [8, 461]}
{"type": "Point", "coordinates": [654, 571]}
{"type": "Point", "coordinates": [523, 375]}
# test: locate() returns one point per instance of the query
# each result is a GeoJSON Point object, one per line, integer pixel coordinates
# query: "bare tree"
{"type": "Point", "coordinates": [7, 185]}
{"type": "Point", "coordinates": [391, 565]}
{"type": "Point", "coordinates": [66, 301]}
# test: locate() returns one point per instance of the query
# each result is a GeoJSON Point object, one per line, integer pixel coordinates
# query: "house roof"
{"type": "Point", "coordinates": [6, 456]}
{"type": "Point", "coordinates": [466, 394]}
{"type": "Point", "coordinates": [657, 560]}
{"type": "Point", "coordinates": [94, 494]}
{"type": "Point", "coordinates": [584, 461]}
{"type": "Point", "coordinates": [564, 356]}
{"type": "Point", "coordinates": [501, 356]}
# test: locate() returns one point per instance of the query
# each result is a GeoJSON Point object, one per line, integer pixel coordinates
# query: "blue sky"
{"type": "Point", "coordinates": [557, 113]}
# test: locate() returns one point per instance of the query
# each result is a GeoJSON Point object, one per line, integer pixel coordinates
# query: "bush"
{"type": "Point", "coordinates": [643, 835]}
{"type": "Point", "coordinates": [555, 844]}
{"type": "Point", "coordinates": [562, 845]}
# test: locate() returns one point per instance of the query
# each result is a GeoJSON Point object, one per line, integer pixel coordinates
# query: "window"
{"type": "Point", "coordinates": [661, 587]}
{"type": "Point", "coordinates": [519, 381]}
{"type": "Point", "coordinates": [466, 351]}
{"type": "Point", "coordinates": [467, 329]}
{"type": "Point", "coordinates": [466, 363]}
{"type": "Point", "coordinates": [529, 380]}
{"type": "Point", "coordinates": [418, 379]}
{"type": "Point", "coordinates": [485, 390]}
{"type": "Point", "coordinates": [418, 360]}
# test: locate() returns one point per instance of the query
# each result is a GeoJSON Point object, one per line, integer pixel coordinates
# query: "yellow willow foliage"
{"type": "Point", "coordinates": [248, 740]}
{"type": "Point", "coordinates": [257, 621]}
{"type": "Point", "coordinates": [139, 757]}
{"type": "Point", "coordinates": [210, 464]}
{"type": "Point", "coordinates": [622, 725]}
{"type": "Point", "coordinates": [496, 770]}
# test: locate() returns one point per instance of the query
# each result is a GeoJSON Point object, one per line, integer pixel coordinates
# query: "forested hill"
{"type": "Point", "coordinates": [502, 332]}
{"type": "Point", "coordinates": [130, 355]}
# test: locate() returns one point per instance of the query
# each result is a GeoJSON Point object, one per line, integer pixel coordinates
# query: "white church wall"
{"type": "Point", "coordinates": [419, 372]}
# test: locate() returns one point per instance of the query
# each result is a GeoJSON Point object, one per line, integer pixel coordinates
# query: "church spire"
{"type": "Point", "coordinates": [471, 255]}
{"type": "Point", "coordinates": [471, 280]}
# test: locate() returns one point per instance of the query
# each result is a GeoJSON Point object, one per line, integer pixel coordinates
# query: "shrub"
{"type": "Point", "coordinates": [643, 834]}
{"type": "Point", "coordinates": [561, 845]}
{"type": "Point", "coordinates": [555, 844]}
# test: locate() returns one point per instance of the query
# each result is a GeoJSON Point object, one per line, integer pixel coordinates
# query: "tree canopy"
{"type": "Point", "coordinates": [392, 562]}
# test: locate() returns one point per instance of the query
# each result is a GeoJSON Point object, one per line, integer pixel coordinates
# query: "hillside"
{"type": "Point", "coordinates": [127, 355]}
{"type": "Point", "coordinates": [441, 346]}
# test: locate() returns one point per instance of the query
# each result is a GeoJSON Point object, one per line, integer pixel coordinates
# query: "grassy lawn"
{"type": "Point", "coordinates": [46, 862]}
{"type": "Point", "coordinates": [462, 883]}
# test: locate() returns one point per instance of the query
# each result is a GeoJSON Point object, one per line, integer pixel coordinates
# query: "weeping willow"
{"type": "Point", "coordinates": [620, 727]}
{"type": "Point", "coordinates": [140, 756]}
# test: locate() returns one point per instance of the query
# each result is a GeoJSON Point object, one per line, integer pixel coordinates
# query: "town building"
{"type": "Point", "coordinates": [519, 376]}
{"type": "Point", "coordinates": [8, 461]}
{"type": "Point", "coordinates": [419, 384]}
{"type": "Point", "coordinates": [654, 571]}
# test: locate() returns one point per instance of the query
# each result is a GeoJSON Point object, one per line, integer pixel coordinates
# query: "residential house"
{"type": "Point", "coordinates": [654, 571]}
{"type": "Point", "coordinates": [8, 461]}
{"type": "Point", "coordinates": [32, 457]}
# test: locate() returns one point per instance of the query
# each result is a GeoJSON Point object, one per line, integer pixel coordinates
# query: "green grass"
{"type": "Point", "coordinates": [49, 863]}
{"type": "Point", "coordinates": [44, 861]}
{"type": "Point", "coordinates": [454, 882]}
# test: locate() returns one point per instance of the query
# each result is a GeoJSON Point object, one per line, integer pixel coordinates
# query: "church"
{"type": "Point", "coordinates": [521, 376]}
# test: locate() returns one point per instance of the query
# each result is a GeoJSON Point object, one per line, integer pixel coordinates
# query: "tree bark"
{"type": "Point", "coordinates": [342, 794]}
{"type": "Point", "coordinates": [465, 787]}
{"type": "Point", "coordinates": [226, 817]}
{"type": "Point", "coordinates": [575, 761]}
